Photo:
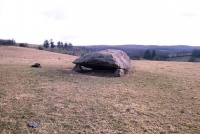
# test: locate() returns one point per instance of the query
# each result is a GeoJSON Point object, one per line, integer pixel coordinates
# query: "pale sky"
{"type": "Point", "coordinates": [102, 22]}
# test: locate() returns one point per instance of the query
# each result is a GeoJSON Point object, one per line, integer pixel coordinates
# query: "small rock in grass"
{"type": "Point", "coordinates": [128, 110]}
{"type": "Point", "coordinates": [32, 124]}
{"type": "Point", "coordinates": [36, 65]}
{"type": "Point", "coordinates": [144, 130]}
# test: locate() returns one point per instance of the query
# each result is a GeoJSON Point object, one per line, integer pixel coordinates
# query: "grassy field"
{"type": "Point", "coordinates": [157, 98]}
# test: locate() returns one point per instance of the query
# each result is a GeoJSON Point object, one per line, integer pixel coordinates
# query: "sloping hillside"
{"type": "Point", "coordinates": [12, 54]}
{"type": "Point", "coordinates": [158, 97]}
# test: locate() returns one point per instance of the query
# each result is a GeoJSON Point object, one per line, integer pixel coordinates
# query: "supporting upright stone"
{"type": "Point", "coordinates": [119, 72]}
{"type": "Point", "coordinates": [77, 68]}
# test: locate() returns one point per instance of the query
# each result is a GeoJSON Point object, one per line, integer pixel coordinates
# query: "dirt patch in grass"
{"type": "Point", "coordinates": [159, 97]}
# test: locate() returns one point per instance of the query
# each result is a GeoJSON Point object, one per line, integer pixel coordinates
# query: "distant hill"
{"type": "Point", "coordinates": [138, 50]}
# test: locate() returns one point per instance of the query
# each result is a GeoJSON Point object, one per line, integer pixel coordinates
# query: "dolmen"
{"type": "Point", "coordinates": [109, 59]}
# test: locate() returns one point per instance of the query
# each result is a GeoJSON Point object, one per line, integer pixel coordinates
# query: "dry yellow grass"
{"type": "Point", "coordinates": [159, 97]}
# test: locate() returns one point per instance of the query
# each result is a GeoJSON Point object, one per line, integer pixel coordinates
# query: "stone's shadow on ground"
{"type": "Point", "coordinates": [90, 72]}
{"type": "Point", "coordinates": [98, 73]}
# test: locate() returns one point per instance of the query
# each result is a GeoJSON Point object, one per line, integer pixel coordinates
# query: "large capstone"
{"type": "Point", "coordinates": [110, 59]}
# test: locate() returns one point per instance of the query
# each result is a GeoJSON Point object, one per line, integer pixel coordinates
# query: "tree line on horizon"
{"type": "Point", "coordinates": [60, 45]}
{"type": "Point", "coordinates": [7, 42]}
{"type": "Point", "coordinates": [149, 55]}
{"type": "Point", "coordinates": [196, 53]}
